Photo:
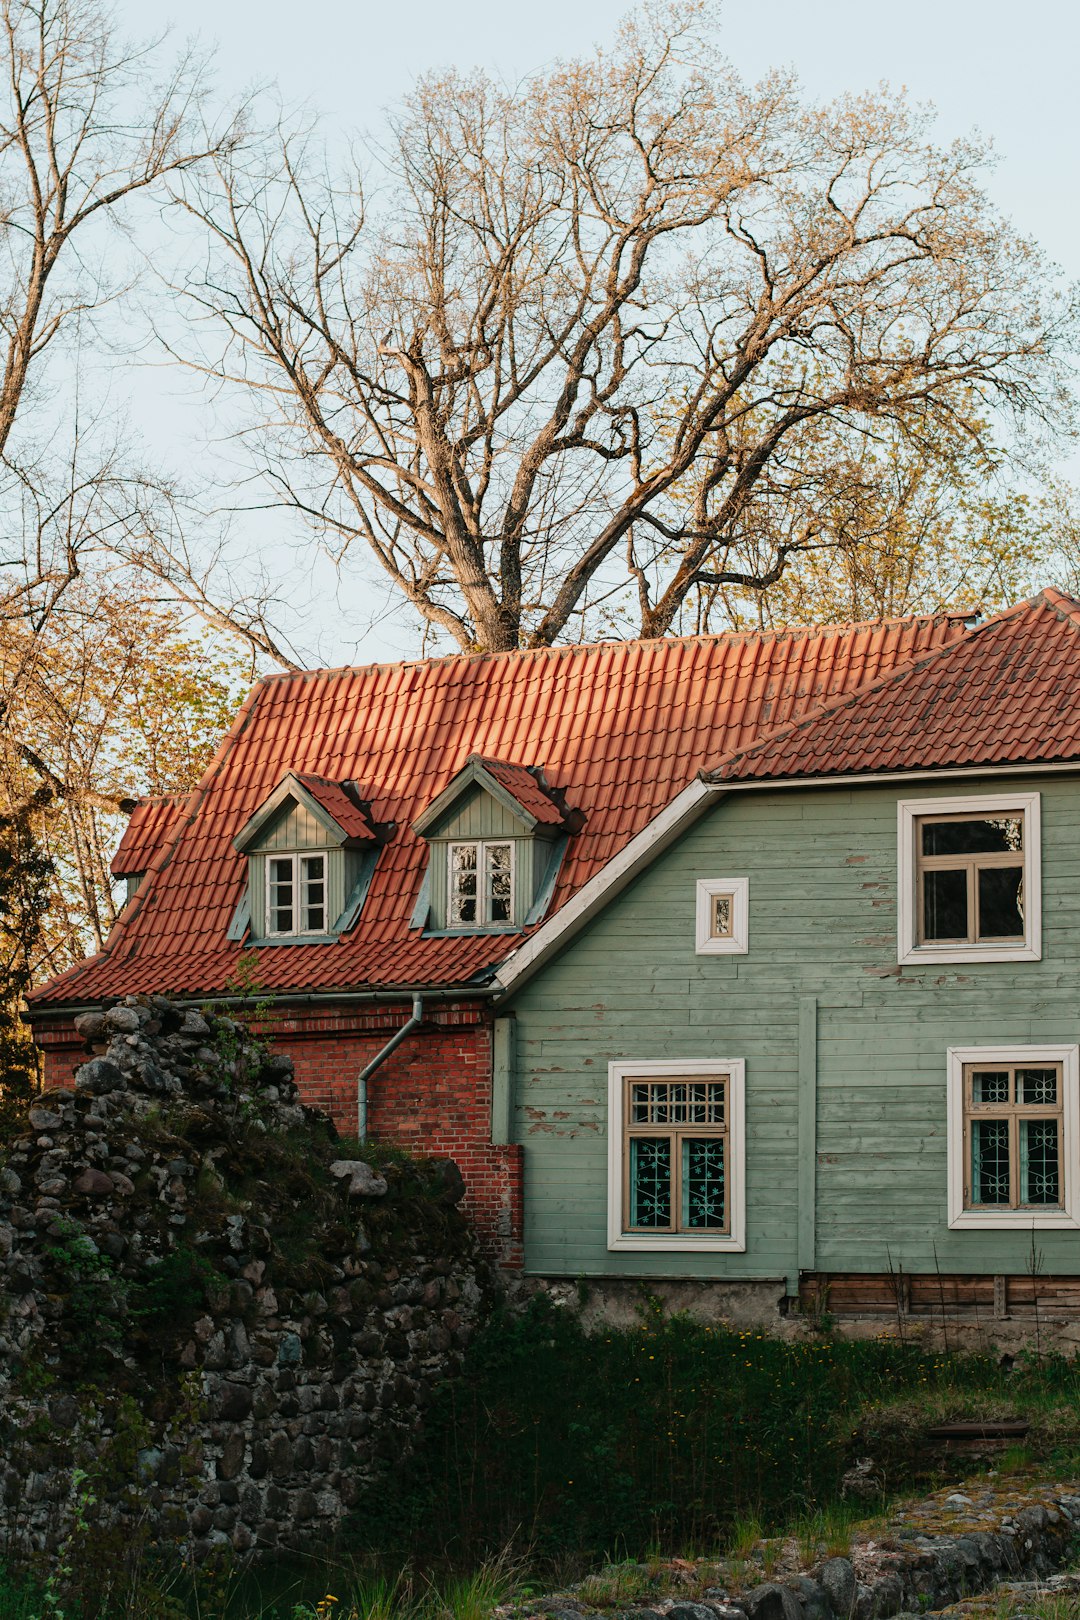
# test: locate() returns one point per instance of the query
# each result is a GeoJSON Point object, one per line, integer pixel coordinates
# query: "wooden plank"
{"type": "Point", "coordinates": [807, 1244]}
{"type": "Point", "coordinates": [502, 1079]}
{"type": "Point", "coordinates": [1006, 1429]}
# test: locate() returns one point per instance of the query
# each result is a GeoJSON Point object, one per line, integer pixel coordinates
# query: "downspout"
{"type": "Point", "coordinates": [378, 1060]}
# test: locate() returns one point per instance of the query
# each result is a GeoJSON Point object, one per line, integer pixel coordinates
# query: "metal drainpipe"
{"type": "Point", "coordinates": [378, 1060]}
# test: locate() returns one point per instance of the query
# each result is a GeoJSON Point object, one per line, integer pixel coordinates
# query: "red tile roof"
{"type": "Point", "coordinates": [1007, 693]}
{"type": "Point", "coordinates": [336, 801]}
{"type": "Point", "coordinates": [151, 822]}
{"type": "Point", "coordinates": [521, 783]}
{"type": "Point", "coordinates": [619, 728]}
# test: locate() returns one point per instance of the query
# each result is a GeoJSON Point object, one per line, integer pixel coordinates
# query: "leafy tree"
{"type": "Point", "coordinates": [887, 526]}
{"type": "Point", "coordinates": [126, 702]}
{"type": "Point", "coordinates": [24, 891]}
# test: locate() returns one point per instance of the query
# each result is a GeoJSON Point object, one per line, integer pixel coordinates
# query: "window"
{"type": "Point", "coordinates": [676, 1156]}
{"type": "Point", "coordinates": [480, 885]}
{"type": "Point", "coordinates": [722, 916]}
{"type": "Point", "coordinates": [296, 894]}
{"type": "Point", "coordinates": [1012, 1136]}
{"type": "Point", "coordinates": [969, 875]}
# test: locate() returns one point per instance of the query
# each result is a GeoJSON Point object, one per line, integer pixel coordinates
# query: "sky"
{"type": "Point", "coordinates": [1008, 71]}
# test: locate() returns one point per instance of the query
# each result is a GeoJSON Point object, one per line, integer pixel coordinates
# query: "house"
{"type": "Point", "coordinates": [748, 959]}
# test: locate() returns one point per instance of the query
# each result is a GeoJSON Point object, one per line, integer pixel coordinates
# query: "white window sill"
{"type": "Point", "coordinates": [1014, 1220]}
{"type": "Point", "coordinates": [676, 1242]}
{"type": "Point", "coordinates": [937, 954]}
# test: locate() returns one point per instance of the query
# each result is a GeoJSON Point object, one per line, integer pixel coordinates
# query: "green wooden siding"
{"type": "Point", "coordinates": [478, 815]}
{"type": "Point", "coordinates": [845, 1052]}
{"type": "Point", "coordinates": [297, 829]}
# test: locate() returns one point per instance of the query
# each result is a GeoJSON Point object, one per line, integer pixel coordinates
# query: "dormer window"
{"type": "Point", "coordinates": [296, 894]}
{"type": "Point", "coordinates": [311, 849]}
{"type": "Point", "coordinates": [497, 836]}
{"type": "Point", "coordinates": [480, 885]}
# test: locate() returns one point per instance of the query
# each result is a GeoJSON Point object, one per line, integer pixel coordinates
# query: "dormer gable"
{"type": "Point", "coordinates": [521, 790]}
{"type": "Point", "coordinates": [314, 809]}
{"type": "Point", "coordinates": [151, 823]}
{"type": "Point", "coordinates": [311, 849]}
{"type": "Point", "coordinates": [497, 834]}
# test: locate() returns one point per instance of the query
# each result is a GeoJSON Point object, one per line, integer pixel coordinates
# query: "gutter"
{"type": "Point", "coordinates": [378, 1060]}
{"type": "Point", "coordinates": [312, 998]}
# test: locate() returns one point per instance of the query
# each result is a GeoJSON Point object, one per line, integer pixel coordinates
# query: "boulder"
{"type": "Point", "coordinates": [773, 1602]}
{"type": "Point", "coordinates": [123, 1019]}
{"type": "Point", "coordinates": [94, 1184]}
{"type": "Point", "coordinates": [364, 1182]}
{"type": "Point", "coordinates": [91, 1026]}
{"type": "Point", "coordinates": [837, 1576]}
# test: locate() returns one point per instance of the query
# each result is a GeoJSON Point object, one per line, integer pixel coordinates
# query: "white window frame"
{"type": "Point", "coordinates": [737, 942]}
{"type": "Point", "coordinates": [732, 1242]}
{"type": "Point", "coordinates": [908, 812]}
{"type": "Point", "coordinates": [483, 922]}
{"type": "Point", "coordinates": [984, 1220]}
{"type": "Point", "coordinates": [295, 856]}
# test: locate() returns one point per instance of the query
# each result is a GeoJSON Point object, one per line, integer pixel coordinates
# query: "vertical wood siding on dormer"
{"type": "Point", "coordinates": [297, 829]}
{"type": "Point", "coordinates": [477, 815]}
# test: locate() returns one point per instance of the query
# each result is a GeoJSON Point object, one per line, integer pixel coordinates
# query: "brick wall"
{"type": "Point", "coordinates": [432, 1096]}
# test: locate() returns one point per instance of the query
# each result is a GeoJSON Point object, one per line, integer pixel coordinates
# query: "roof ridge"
{"type": "Point", "coordinates": [777, 633]}
{"type": "Point", "coordinates": [899, 672]}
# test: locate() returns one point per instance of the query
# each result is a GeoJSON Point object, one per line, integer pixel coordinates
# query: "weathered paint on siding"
{"type": "Point", "coordinates": [823, 909]}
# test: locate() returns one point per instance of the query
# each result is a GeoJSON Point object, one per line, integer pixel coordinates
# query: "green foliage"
{"type": "Point", "coordinates": [95, 1295]}
{"type": "Point", "coordinates": [24, 888]}
{"type": "Point", "coordinates": [669, 1434]}
{"type": "Point", "coordinates": [174, 1290]}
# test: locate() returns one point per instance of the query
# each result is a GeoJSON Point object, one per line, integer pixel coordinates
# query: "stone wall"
{"type": "Point", "coordinates": [216, 1325]}
{"type": "Point", "coordinates": [432, 1095]}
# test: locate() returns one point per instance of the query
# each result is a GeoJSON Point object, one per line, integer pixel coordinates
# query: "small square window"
{"type": "Point", "coordinates": [969, 880]}
{"type": "Point", "coordinates": [1012, 1137]}
{"type": "Point", "coordinates": [722, 916]}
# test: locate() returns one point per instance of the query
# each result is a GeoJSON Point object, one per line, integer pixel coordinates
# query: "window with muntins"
{"type": "Point", "coordinates": [480, 884]}
{"type": "Point", "coordinates": [1013, 1136]}
{"type": "Point", "coordinates": [969, 873]}
{"type": "Point", "coordinates": [676, 1155]}
{"type": "Point", "coordinates": [970, 878]}
{"type": "Point", "coordinates": [296, 894]}
{"type": "Point", "coordinates": [1013, 1140]}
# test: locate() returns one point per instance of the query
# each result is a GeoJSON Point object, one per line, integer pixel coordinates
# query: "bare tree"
{"type": "Point", "coordinates": [590, 332]}
{"type": "Point", "coordinates": [85, 130]}
{"type": "Point", "coordinates": [89, 133]}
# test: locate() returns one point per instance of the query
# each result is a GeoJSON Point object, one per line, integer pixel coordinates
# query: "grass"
{"type": "Point", "coordinates": [827, 1532]}
{"type": "Point", "coordinates": [556, 1454]}
{"type": "Point", "coordinates": [678, 1433]}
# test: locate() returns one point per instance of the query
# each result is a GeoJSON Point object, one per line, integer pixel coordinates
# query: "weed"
{"type": "Point", "coordinates": [743, 1537]}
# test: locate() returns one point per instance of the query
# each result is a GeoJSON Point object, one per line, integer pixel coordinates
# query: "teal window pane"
{"type": "Point", "coordinates": [990, 1086]}
{"type": "Point", "coordinates": [703, 1184]}
{"type": "Point", "coordinates": [650, 1182]}
{"type": "Point", "coordinates": [1037, 1086]}
{"type": "Point", "coordinates": [990, 1161]}
{"type": "Point", "coordinates": [1040, 1175]}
